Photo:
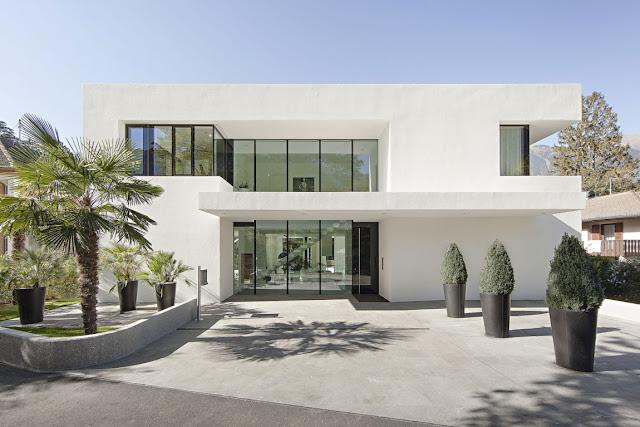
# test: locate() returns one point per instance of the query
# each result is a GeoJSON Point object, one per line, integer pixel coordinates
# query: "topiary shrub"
{"type": "Point", "coordinates": [453, 270]}
{"type": "Point", "coordinates": [572, 282]}
{"type": "Point", "coordinates": [496, 277]}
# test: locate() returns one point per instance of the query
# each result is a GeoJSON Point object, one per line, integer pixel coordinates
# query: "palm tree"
{"type": "Point", "coordinates": [67, 197]}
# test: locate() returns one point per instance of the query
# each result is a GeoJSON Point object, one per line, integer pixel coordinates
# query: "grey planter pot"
{"type": "Point", "coordinates": [574, 338]}
{"type": "Point", "coordinates": [454, 296]}
{"type": "Point", "coordinates": [30, 304]}
{"type": "Point", "coordinates": [128, 296]}
{"type": "Point", "coordinates": [165, 295]}
{"type": "Point", "coordinates": [496, 311]}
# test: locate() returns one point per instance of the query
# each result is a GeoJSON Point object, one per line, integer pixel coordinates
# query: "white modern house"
{"type": "Point", "coordinates": [345, 189]}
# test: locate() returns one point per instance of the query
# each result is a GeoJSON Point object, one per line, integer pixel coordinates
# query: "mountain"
{"type": "Point", "coordinates": [541, 156]}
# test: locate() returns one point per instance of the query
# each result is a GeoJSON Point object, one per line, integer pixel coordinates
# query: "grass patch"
{"type": "Point", "coordinates": [50, 331]}
{"type": "Point", "coordinates": [11, 311]}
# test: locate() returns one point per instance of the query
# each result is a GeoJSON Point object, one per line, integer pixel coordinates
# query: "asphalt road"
{"type": "Point", "coordinates": [29, 398]}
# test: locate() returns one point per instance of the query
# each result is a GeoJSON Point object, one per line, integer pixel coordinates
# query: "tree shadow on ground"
{"type": "Point", "coordinates": [610, 396]}
{"type": "Point", "coordinates": [285, 339]}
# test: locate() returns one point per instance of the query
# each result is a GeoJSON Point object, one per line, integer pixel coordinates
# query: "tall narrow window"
{"type": "Point", "coordinates": [365, 165]}
{"type": "Point", "coordinates": [183, 150]}
{"type": "Point", "coordinates": [304, 160]}
{"type": "Point", "coordinates": [243, 165]}
{"type": "Point", "coordinates": [135, 134]}
{"type": "Point", "coordinates": [203, 150]}
{"type": "Point", "coordinates": [271, 165]}
{"type": "Point", "coordinates": [514, 150]}
{"type": "Point", "coordinates": [335, 165]}
{"type": "Point", "coordinates": [162, 150]}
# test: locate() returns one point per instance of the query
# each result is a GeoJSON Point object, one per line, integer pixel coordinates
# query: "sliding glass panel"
{"type": "Point", "coordinates": [365, 165]}
{"type": "Point", "coordinates": [304, 257]}
{"type": "Point", "coordinates": [162, 150]}
{"type": "Point", "coordinates": [136, 136]}
{"type": "Point", "coordinates": [335, 168]}
{"type": "Point", "coordinates": [183, 150]}
{"type": "Point", "coordinates": [243, 155]}
{"type": "Point", "coordinates": [243, 258]}
{"type": "Point", "coordinates": [271, 165]}
{"type": "Point", "coordinates": [271, 257]}
{"type": "Point", "coordinates": [514, 150]}
{"type": "Point", "coordinates": [336, 258]}
{"type": "Point", "coordinates": [203, 150]}
{"type": "Point", "coordinates": [304, 158]}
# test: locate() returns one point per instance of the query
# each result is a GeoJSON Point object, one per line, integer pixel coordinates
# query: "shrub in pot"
{"type": "Point", "coordinates": [574, 295]}
{"type": "Point", "coordinates": [453, 274]}
{"type": "Point", "coordinates": [164, 270]}
{"type": "Point", "coordinates": [33, 267]}
{"type": "Point", "coordinates": [126, 263]}
{"type": "Point", "coordinates": [496, 284]}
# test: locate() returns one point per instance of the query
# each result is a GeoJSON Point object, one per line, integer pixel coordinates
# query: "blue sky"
{"type": "Point", "coordinates": [49, 48]}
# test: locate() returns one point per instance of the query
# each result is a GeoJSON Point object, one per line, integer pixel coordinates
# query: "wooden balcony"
{"type": "Point", "coordinates": [618, 248]}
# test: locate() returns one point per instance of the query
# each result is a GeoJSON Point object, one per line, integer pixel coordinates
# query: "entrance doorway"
{"type": "Point", "coordinates": [365, 258]}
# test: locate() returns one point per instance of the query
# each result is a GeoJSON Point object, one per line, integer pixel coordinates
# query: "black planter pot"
{"type": "Point", "coordinates": [30, 304]}
{"type": "Point", "coordinates": [496, 310]}
{"type": "Point", "coordinates": [165, 295]}
{"type": "Point", "coordinates": [574, 338]}
{"type": "Point", "coordinates": [454, 296]}
{"type": "Point", "coordinates": [128, 296]}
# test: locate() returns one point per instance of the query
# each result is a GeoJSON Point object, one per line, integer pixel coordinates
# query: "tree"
{"type": "Point", "coordinates": [6, 131]}
{"type": "Point", "coordinates": [68, 197]}
{"type": "Point", "coordinates": [593, 149]}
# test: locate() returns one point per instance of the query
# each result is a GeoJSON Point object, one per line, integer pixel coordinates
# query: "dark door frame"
{"type": "Point", "coordinates": [374, 250]}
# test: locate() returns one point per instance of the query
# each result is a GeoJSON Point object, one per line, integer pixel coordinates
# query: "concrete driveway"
{"type": "Point", "coordinates": [399, 360]}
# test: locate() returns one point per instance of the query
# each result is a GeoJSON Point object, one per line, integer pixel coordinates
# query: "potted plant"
{"type": "Point", "coordinates": [243, 186]}
{"type": "Point", "coordinates": [574, 295]}
{"type": "Point", "coordinates": [453, 274]}
{"type": "Point", "coordinates": [32, 268]}
{"type": "Point", "coordinates": [496, 284]}
{"type": "Point", "coordinates": [164, 270]}
{"type": "Point", "coordinates": [125, 262]}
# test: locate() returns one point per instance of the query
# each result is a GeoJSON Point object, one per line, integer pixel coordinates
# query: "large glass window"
{"type": "Point", "coordinates": [271, 165]}
{"type": "Point", "coordinates": [243, 166]}
{"type": "Point", "coordinates": [514, 150]}
{"type": "Point", "coordinates": [335, 167]}
{"type": "Point", "coordinates": [295, 257]}
{"type": "Point", "coordinates": [203, 150]}
{"type": "Point", "coordinates": [271, 257]}
{"type": "Point", "coordinates": [183, 150]}
{"type": "Point", "coordinates": [162, 137]}
{"type": "Point", "coordinates": [365, 165]}
{"type": "Point", "coordinates": [304, 162]}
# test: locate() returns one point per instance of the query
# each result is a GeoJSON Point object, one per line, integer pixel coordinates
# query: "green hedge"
{"type": "Point", "coordinates": [496, 276]}
{"type": "Point", "coordinates": [453, 270]}
{"type": "Point", "coordinates": [572, 282]}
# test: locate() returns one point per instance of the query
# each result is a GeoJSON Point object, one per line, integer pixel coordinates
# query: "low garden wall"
{"type": "Point", "coordinates": [40, 353]}
{"type": "Point", "coordinates": [620, 310]}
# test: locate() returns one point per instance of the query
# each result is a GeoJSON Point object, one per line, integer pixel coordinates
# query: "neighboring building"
{"type": "Point", "coordinates": [340, 189]}
{"type": "Point", "coordinates": [7, 172]}
{"type": "Point", "coordinates": [611, 225]}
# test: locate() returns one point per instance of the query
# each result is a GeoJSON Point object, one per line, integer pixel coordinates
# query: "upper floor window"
{"type": "Point", "coordinates": [514, 150]}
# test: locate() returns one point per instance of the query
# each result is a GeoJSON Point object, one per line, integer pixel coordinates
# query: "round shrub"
{"type": "Point", "coordinates": [572, 282]}
{"type": "Point", "coordinates": [496, 277]}
{"type": "Point", "coordinates": [453, 270]}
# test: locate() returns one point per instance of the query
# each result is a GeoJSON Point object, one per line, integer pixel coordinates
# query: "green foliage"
{"type": "Point", "coordinates": [453, 270]}
{"type": "Point", "coordinates": [602, 266]}
{"type": "Point", "coordinates": [496, 276]}
{"type": "Point", "coordinates": [624, 281]}
{"type": "Point", "coordinates": [56, 331]}
{"type": "Point", "coordinates": [164, 268]}
{"type": "Point", "coordinates": [572, 282]}
{"type": "Point", "coordinates": [124, 261]}
{"type": "Point", "coordinates": [593, 149]}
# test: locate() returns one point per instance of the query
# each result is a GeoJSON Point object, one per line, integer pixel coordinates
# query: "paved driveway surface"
{"type": "Point", "coordinates": [403, 360]}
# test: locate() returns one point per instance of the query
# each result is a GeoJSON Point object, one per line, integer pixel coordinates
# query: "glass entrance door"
{"type": "Point", "coordinates": [365, 258]}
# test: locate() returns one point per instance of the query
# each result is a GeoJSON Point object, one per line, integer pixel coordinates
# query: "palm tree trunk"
{"type": "Point", "coordinates": [88, 281]}
{"type": "Point", "coordinates": [17, 243]}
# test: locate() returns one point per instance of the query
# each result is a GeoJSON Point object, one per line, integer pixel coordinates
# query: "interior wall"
{"type": "Point", "coordinates": [413, 250]}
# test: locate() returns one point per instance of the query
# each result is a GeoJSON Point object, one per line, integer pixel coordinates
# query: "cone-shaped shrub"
{"type": "Point", "coordinates": [496, 276]}
{"type": "Point", "coordinates": [453, 270]}
{"type": "Point", "coordinates": [572, 282]}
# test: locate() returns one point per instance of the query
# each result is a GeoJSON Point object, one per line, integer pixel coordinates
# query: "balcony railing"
{"type": "Point", "coordinates": [613, 248]}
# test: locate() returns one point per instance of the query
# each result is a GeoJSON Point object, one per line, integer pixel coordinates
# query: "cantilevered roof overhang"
{"type": "Point", "coordinates": [375, 206]}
